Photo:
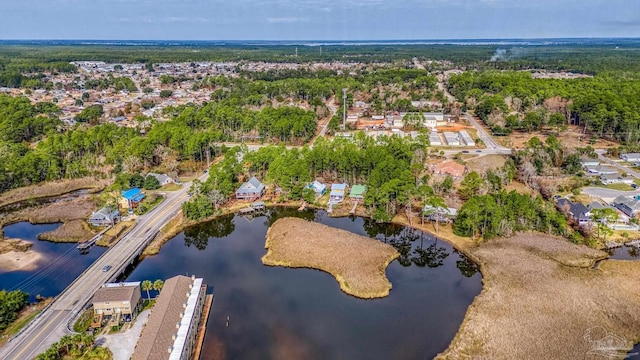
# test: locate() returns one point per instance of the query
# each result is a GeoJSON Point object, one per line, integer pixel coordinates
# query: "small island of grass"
{"type": "Point", "coordinates": [358, 263]}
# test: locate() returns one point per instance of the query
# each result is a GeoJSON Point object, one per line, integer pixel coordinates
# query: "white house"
{"type": "Point", "coordinates": [466, 138]}
{"type": "Point", "coordinates": [451, 138]}
{"type": "Point", "coordinates": [163, 179]}
{"type": "Point", "coordinates": [630, 157]}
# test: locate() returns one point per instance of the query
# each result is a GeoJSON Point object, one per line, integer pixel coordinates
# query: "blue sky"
{"type": "Point", "coordinates": [317, 19]}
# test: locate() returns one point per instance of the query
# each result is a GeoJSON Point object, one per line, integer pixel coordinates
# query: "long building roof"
{"type": "Point", "coordinates": [162, 329]}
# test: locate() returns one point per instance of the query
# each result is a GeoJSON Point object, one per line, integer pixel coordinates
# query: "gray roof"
{"type": "Point", "coordinates": [252, 184]}
{"type": "Point", "coordinates": [577, 210]}
{"type": "Point", "coordinates": [162, 178]}
{"type": "Point", "coordinates": [115, 293]}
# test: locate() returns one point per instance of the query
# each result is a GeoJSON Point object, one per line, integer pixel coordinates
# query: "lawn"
{"type": "Point", "coordinates": [621, 187]}
{"type": "Point", "coordinates": [171, 187]}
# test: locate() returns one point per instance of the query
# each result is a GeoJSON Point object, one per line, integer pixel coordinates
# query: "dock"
{"type": "Point", "coordinates": [613, 245]}
{"type": "Point", "coordinates": [84, 246]}
{"type": "Point", "coordinates": [633, 243]}
{"type": "Point", "coordinates": [353, 209]}
{"type": "Point", "coordinates": [202, 328]}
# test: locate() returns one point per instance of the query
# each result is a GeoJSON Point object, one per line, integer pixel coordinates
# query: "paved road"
{"type": "Point", "coordinates": [52, 323]}
{"type": "Point", "coordinates": [608, 194]}
{"type": "Point", "coordinates": [617, 164]}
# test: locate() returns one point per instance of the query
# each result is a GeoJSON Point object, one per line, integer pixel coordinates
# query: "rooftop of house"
{"type": "Point", "coordinates": [116, 292]}
{"type": "Point", "coordinates": [252, 184]}
{"type": "Point", "coordinates": [358, 190]}
{"type": "Point", "coordinates": [131, 194]}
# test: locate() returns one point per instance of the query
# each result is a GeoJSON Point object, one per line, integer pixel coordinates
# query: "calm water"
{"type": "Point", "coordinates": [60, 263]}
{"type": "Point", "coordinates": [625, 253]}
{"type": "Point", "coordinates": [281, 313]}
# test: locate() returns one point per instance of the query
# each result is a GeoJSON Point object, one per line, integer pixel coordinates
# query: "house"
{"type": "Point", "coordinates": [576, 211]}
{"type": "Point", "coordinates": [466, 138]}
{"type": "Point", "coordinates": [449, 167]}
{"type": "Point", "coordinates": [104, 217]}
{"type": "Point", "coordinates": [439, 213]}
{"type": "Point", "coordinates": [622, 219]}
{"type": "Point", "coordinates": [163, 179]}
{"type": "Point", "coordinates": [630, 157]}
{"type": "Point", "coordinates": [116, 302]}
{"type": "Point", "coordinates": [590, 163]}
{"type": "Point", "coordinates": [252, 189]}
{"type": "Point", "coordinates": [357, 192]}
{"type": "Point", "coordinates": [337, 193]}
{"type": "Point", "coordinates": [131, 198]}
{"type": "Point", "coordinates": [171, 330]}
{"type": "Point", "coordinates": [318, 188]}
{"type": "Point", "coordinates": [629, 206]}
{"type": "Point", "coordinates": [602, 169]}
{"type": "Point", "coordinates": [614, 179]}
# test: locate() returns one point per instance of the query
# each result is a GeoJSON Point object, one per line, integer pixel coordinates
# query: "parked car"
{"type": "Point", "coordinates": [635, 186]}
{"type": "Point", "coordinates": [106, 268]}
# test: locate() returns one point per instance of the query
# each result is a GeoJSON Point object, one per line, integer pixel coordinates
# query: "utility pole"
{"type": "Point", "coordinates": [344, 108]}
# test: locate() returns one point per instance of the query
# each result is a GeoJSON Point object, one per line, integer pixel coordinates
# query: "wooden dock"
{"type": "Point", "coordinates": [84, 246]}
{"type": "Point", "coordinates": [202, 328]}
{"type": "Point", "coordinates": [353, 209]}
{"type": "Point", "coordinates": [633, 243]}
{"type": "Point", "coordinates": [613, 245]}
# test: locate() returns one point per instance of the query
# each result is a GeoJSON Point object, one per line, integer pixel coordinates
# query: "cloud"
{"type": "Point", "coordinates": [287, 20]}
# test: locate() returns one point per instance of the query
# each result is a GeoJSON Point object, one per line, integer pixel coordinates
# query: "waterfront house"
{"type": "Point", "coordinates": [116, 302]}
{"type": "Point", "coordinates": [104, 217]}
{"type": "Point", "coordinates": [163, 179]}
{"type": "Point", "coordinates": [440, 213]}
{"type": "Point", "coordinates": [449, 167]}
{"type": "Point", "coordinates": [131, 198]}
{"type": "Point", "coordinates": [357, 192]}
{"type": "Point", "coordinates": [252, 189]}
{"type": "Point", "coordinates": [337, 193]}
{"type": "Point", "coordinates": [173, 324]}
{"type": "Point", "coordinates": [576, 211]}
{"type": "Point", "coordinates": [318, 188]}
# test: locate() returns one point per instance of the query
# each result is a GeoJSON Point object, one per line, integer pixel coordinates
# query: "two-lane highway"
{"type": "Point", "coordinates": [53, 322]}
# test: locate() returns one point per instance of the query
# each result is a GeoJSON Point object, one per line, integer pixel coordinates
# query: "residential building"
{"type": "Point", "coordinates": [466, 138]}
{"type": "Point", "coordinates": [607, 179]}
{"type": "Point", "coordinates": [449, 167]}
{"type": "Point", "coordinates": [131, 198]}
{"type": "Point", "coordinates": [630, 157]}
{"type": "Point", "coordinates": [451, 138]}
{"type": "Point", "coordinates": [629, 206]}
{"type": "Point", "coordinates": [104, 217]}
{"type": "Point", "coordinates": [434, 139]}
{"type": "Point", "coordinates": [591, 163]}
{"type": "Point", "coordinates": [602, 169]}
{"type": "Point", "coordinates": [576, 211]}
{"type": "Point", "coordinates": [116, 302]}
{"type": "Point", "coordinates": [439, 213]}
{"type": "Point", "coordinates": [622, 219]}
{"type": "Point", "coordinates": [337, 193]}
{"type": "Point", "coordinates": [172, 327]}
{"type": "Point", "coordinates": [357, 192]}
{"type": "Point", "coordinates": [163, 179]}
{"type": "Point", "coordinates": [252, 189]}
{"type": "Point", "coordinates": [318, 188]}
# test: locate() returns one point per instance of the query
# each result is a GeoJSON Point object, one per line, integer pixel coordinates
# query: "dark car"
{"type": "Point", "coordinates": [635, 186]}
{"type": "Point", "coordinates": [106, 268]}
{"type": "Point", "coordinates": [478, 150]}
{"type": "Point", "coordinates": [465, 151]}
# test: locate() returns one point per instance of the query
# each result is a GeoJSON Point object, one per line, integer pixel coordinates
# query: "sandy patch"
{"type": "Point", "coordinates": [19, 260]}
{"type": "Point", "coordinates": [541, 299]}
{"type": "Point", "coordinates": [358, 263]}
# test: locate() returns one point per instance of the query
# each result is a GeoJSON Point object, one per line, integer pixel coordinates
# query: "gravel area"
{"type": "Point", "coordinates": [123, 343]}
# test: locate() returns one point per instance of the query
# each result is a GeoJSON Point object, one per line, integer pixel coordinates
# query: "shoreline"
{"type": "Point", "coordinates": [20, 260]}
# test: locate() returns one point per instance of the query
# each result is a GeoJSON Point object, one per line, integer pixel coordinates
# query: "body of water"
{"type": "Point", "coordinates": [625, 253]}
{"type": "Point", "coordinates": [280, 313]}
{"type": "Point", "coordinates": [60, 264]}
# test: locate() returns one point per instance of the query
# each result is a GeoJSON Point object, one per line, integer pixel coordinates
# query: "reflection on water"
{"type": "Point", "coordinates": [61, 263]}
{"type": "Point", "coordinates": [280, 313]}
{"type": "Point", "coordinates": [625, 253]}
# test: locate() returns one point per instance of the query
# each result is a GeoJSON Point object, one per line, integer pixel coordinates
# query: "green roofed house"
{"type": "Point", "coordinates": [357, 192]}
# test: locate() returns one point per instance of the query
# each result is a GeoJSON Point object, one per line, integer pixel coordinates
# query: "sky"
{"type": "Point", "coordinates": [317, 19]}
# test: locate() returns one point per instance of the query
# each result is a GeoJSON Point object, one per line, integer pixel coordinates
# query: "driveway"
{"type": "Point", "coordinates": [607, 194]}
{"type": "Point", "coordinates": [625, 169]}
{"type": "Point", "coordinates": [123, 343]}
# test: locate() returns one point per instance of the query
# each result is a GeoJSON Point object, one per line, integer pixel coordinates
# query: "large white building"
{"type": "Point", "coordinates": [466, 138]}
{"type": "Point", "coordinates": [434, 139]}
{"type": "Point", "coordinates": [451, 138]}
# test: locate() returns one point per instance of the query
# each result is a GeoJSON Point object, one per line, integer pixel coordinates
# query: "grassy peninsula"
{"type": "Point", "coordinates": [358, 263]}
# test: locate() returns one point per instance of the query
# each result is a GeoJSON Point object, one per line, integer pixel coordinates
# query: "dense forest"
{"type": "Point", "coordinates": [605, 105]}
{"type": "Point", "coordinates": [11, 302]}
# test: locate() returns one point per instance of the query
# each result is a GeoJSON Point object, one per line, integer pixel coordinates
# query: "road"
{"type": "Point", "coordinates": [608, 194]}
{"type": "Point", "coordinates": [53, 322]}
{"type": "Point", "coordinates": [625, 169]}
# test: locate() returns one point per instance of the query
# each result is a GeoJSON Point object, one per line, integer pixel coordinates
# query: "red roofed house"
{"type": "Point", "coordinates": [449, 167]}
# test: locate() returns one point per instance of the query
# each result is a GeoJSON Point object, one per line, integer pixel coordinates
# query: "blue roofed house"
{"type": "Point", "coordinates": [250, 190]}
{"type": "Point", "coordinates": [337, 193]}
{"type": "Point", "coordinates": [131, 198]}
{"type": "Point", "coordinates": [318, 188]}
